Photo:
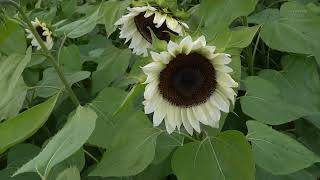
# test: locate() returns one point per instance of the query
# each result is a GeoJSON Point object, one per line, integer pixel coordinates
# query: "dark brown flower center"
{"type": "Point", "coordinates": [145, 24]}
{"type": "Point", "coordinates": [40, 32]}
{"type": "Point", "coordinates": [188, 80]}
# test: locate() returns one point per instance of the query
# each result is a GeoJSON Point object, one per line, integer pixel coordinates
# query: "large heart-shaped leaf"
{"type": "Point", "coordinates": [279, 97]}
{"type": "Point", "coordinates": [227, 156]}
{"type": "Point", "coordinates": [293, 29]}
{"type": "Point", "coordinates": [276, 152]}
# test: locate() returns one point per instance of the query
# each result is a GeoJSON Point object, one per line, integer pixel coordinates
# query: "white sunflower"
{"type": "Point", "coordinates": [43, 31]}
{"type": "Point", "coordinates": [136, 25]}
{"type": "Point", "coordinates": [187, 85]}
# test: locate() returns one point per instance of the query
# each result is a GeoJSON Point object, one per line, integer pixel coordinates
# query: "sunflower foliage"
{"type": "Point", "coordinates": [159, 90]}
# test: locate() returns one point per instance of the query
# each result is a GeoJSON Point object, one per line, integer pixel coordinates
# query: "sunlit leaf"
{"type": "Point", "coordinates": [66, 142]}
{"type": "Point", "coordinates": [11, 83]}
{"type": "Point", "coordinates": [80, 27]}
{"type": "Point", "coordinates": [18, 129]}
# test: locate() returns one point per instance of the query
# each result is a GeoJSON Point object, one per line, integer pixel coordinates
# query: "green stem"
{"type": "Point", "coordinates": [90, 155]}
{"type": "Point", "coordinates": [250, 60]}
{"type": "Point", "coordinates": [73, 97]}
{"type": "Point", "coordinates": [255, 51]}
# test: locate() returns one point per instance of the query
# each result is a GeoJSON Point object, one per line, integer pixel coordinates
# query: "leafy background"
{"type": "Point", "coordinates": [273, 133]}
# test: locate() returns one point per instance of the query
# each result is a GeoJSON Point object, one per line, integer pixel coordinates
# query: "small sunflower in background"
{"type": "Point", "coordinates": [136, 25]}
{"type": "Point", "coordinates": [187, 85]}
{"type": "Point", "coordinates": [43, 31]}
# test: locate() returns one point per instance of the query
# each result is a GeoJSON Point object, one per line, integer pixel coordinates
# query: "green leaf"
{"type": "Point", "coordinates": [71, 173]}
{"type": "Point", "coordinates": [76, 160]}
{"type": "Point", "coordinates": [239, 38]}
{"type": "Point", "coordinates": [13, 107]}
{"type": "Point", "coordinates": [132, 148]}
{"type": "Point", "coordinates": [308, 134]}
{"type": "Point", "coordinates": [69, 7]}
{"type": "Point", "coordinates": [157, 44]}
{"type": "Point", "coordinates": [80, 27]}
{"type": "Point", "coordinates": [70, 58]}
{"type": "Point", "coordinates": [276, 152]}
{"type": "Point", "coordinates": [65, 143]}
{"type": "Point", "coordinates": [272, 96]}
{"type": "Point", "coordinates": [12, 38]}
{"type": "Point", "coordinates": [227, 156]}
{"type": "Point", "coordinates": [6, 175]}
{"type": "Point", "coordinates": [293, 30]}
{"type": "Point", "coordinates": [51, 82]}
{"type": "Point", "coordinates": [105, 104]}
{"type": "Point", "coordinates": [11, 82]}
{"type": "Point", "coordinates": [17, 156]}
{"type": "Point", "coordinates": [265, 16]}
{"type": "Point", "coordinates": [111, 65]}
{"type": "Point", "coordinates": [21, 154]}
{"type": "Point", "coordinates": [155, 171]}
{"type": "Point", "coordinates": [112, 11]}
{"type": "Point", "coordinates": [18, 129]}
{"type": "Point", "coordinates": [264, 175]}
{"type": "Point", "coordinates": [136, 91]}
{"type": "Point", "coordinates": [218, 14]}
{"type": "Point", "coordinates": [128, 136]}
{"type": "Point", "coordinates": [166, 143]}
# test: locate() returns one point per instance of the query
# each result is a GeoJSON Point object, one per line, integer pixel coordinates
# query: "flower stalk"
{"type": "Point", "coordinates": [72, 96]}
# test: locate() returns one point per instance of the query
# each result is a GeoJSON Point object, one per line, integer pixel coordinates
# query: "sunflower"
{"type": "Point", "coordinates": [187, 85]}
{"type": "Point", "coordinates": [43, 31]}
{"type": "Point", "coordinates": [136, 25]}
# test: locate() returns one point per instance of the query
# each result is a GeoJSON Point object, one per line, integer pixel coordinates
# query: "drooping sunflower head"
{"type": "Point", "coordinates": [136, 26]}
{"type": "Point", "coordinates": [188, 84]}
{"type": "Point", "coordinates": [43, 31]}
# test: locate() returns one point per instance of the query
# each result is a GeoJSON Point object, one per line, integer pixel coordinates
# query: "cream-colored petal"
{"type": "Point", "coordinates": [30, 35]}
{"type": "Point", "coordinates": [186, 45]}
{"type": "Point", "coordinates": [152, 103]}
{"type": "Point", "coordinates": [184, 25]}
{"type": "Point", "coordinates": [155, 56]}
{"type": "Point", "coordinates": [220, 102]}
{"type": "Point", "coordinates": [177, 117]}
{"type": "Point", "coordinates": [199, 43]}
{"type": "Point", "coordinates": [200, 112]}
{"type": "Point", "coordinates": [148, 109]}
{"type": "Point", "coordinates": [150, 78]}
{"type": "Point", "coordinates": [221, 58]}
{"type": "Point", "coordinates": [223, 68]}
{"type": "Point", "coordinates": [228, 93]}
{"type": "Point", "coordinates": [49, 43]}
{"type": "Point", "coordinates": [226, 80]}
{"type": "Point", "coordinates": [159, 113]}
{"type": "Point", "coordinates": [172, 23]}
{"type": "Point", "coordinates": [150, 90]}
{"type": "Point", "coordinates": [193, 120]}
{"type": "Point", "coordinates": [185, 121]}
{"type": "Point", "coordinates": [148, 14]}
{"type": "Point", "coordinates": [173, 48]}
{"type": "Point", "coordinates": [136, 40]}
{"type": "Point", "coordinates": [154, 67]}
{"type": "Point", "coordinates": [170, 116]}
{"type": "Point", "coordinates": [169, 126]}
{"type": "Point", "coordinates": [165, 57]}
{"type": "Point", "coordinates": [159, 19]}
{"type": "Point", "coordinates": [214, 113]}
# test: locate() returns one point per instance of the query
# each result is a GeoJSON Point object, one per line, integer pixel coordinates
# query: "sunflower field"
{"type": "Point", "coordinates": [159, 90]}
